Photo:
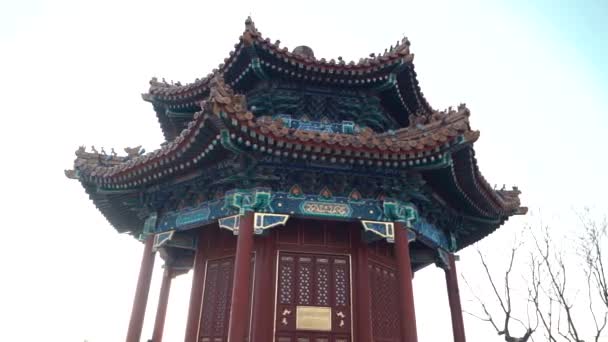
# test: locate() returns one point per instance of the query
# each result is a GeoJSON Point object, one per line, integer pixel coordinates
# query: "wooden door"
{"type": "Point", "coordinates": [385, 308]}
{"type": "Point", "coordinates": [313, 298]}
{"type": "Point", "coordinates": [216, 300]}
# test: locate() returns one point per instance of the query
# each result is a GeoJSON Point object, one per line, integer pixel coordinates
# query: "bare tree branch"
{"type": "Point", "coordinates": [557, 277]}
{"type": "Point", "coordinates": [554, 282]}
{"type": "Point", "coordinates": [505, 303]}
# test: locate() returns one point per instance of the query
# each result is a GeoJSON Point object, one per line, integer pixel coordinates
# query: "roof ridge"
{"type": "Point", "coordinates": [251, 35]}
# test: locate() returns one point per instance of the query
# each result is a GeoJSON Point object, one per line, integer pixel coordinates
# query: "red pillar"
{"type": "Point", "coordinates": [141, 292]}
{"type": "Point", "coordinates": [451, 279]}
{"type": "Point", "coordinates": [196, 293]}
{"type": "Point", "coordinates": [406, 294]}
{"type": "Point", "coordinates": [262, 327]}
{"type": "Point", "coordinates": [163, 300]}
{"type": "Point", "coordinates": [364, 308]}
{"type": "Point", "coordinates": [237, 331]}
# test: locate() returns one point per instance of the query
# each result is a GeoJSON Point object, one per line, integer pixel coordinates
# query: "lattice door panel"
{"type": "Point", "coordinates": [216, 300]}
{"type": "Point", "coordinates": [385, 310]}
{"type": "Point", "coordinates": [313, 298]}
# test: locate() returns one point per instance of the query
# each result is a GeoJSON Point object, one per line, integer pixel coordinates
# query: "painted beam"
{"type": "Point", "coordinates": [377, 215]}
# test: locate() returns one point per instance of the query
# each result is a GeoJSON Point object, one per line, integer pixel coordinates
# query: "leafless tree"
{"type": "Point", "coordinates": [593, 239]}
{"type": "Point", "coordinates": [550, 280]}
{"type": "Point", "coordinates": [554, 281]}
{"type": "Point", "coordinates": [503, 327]}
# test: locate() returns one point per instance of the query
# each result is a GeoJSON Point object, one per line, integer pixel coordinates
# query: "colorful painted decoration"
{"type": "Point", "coordinates": [326, 209]}
{"type": "Point", "coordinates": [161, 239]}
{"type": "Point", "coordinates": [296, 191]}
{"type": "Point", "coordinates": [266, 221]}
{"type": "Point", "coordinates": [355, 195]}
{"type": "Point", "coordinates": [324, 125]}
{"type": "Point", "coordinates": [174, 239]}
{"type": "Point", "coordinates": [326, 193]}
{"type": "Point", "coordinates": [376, 230]}
{"type": "Point", "coordinates": [150, 224]}
{"type": "Point", "coordinates": [231, 223]}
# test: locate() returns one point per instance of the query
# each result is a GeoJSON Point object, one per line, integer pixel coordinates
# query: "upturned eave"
{"type": "Point", "coordinates": [390, 73]}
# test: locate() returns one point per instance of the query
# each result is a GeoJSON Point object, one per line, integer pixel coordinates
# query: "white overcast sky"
{"type": "Point", "coordinates": [71, 73]}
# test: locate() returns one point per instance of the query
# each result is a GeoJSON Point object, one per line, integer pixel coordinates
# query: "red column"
{"type": "Point", "coordinates": [237, 331]}
{"type": "Point", "coordinates": [364, 308]}
{"type": "Point", "coordinates": [196, 293]}
{"type": "Point", "coordinates": [262, 327]}
{"type": "Point", "coordinates": [451, 278]}
{"type": "Point", "coordinates": [141, 292]}
{"type": "Point", "coordinates": [163, 300]}
{"type": "Point", "coordinates": [406, 294]}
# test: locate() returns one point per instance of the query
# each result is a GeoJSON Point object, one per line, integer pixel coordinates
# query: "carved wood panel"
{"type": "Point", "coordinates": [315, 234]}
{"type": "Point", "coordinates": [216, 300]}
{"type": "Point", "coordinates": [385, 310]}
{"type": "Point", "coordinates": [313, 298]}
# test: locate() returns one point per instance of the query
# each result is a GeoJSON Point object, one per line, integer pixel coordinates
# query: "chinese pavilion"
{"type": "Point", "coordinates": [303, 193]}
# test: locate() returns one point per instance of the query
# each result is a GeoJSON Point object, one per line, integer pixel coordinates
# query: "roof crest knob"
{"type": "Point", "coordinates": [250, 32]}
{"type": "Point", "coordinates": [250, 25]}
{"type": "Point", "coordinates": [304, 51]}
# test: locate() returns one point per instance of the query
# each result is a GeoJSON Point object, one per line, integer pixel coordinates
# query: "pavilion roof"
{"type": "Point", "coordinates": [427, 136]}
{"type": "Point", "coordinates": [390, 74]}
{"type": "Point", "coordinates": [223, 124]}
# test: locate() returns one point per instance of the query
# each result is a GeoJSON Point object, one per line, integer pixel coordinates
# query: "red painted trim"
{"type": "Point", "coordinates": [451, 279]}
{"type": "Point", "coordinates": [196, 293]}
{"type": "Point", "coordinates": [363, 307]}
{"type": "Point", "coordinates": [163, 300]}
{"type": "Point", "coordinates": [237, 331]}
{"type": "Point", "coordinates": [141, 292]}
{"type": "Point", "coordinates": [406, 294]}
{"type": "Point", "coordinates": [313, 249]}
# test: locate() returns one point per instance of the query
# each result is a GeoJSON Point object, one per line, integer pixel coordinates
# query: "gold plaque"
{"type": "Point", "coordinates": [313, 318]}
{"type": "Point", "coordinates": [326, 209]}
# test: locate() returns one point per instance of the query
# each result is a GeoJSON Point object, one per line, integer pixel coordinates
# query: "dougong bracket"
{"type": "Point", "coordinates": [149, 226]}
{"type": "Point", "coordinates": [443, 259]}
{"type": "Point", "coordinates": [376, 230]}
{"type": "Point", "coordinates": [264, 221]}
{"type": "Point", "coordinates": [255, 200]}
{"type": "Point", "coordinates": [161, 239]}
{"type": "Point", "coordinates": [231, 223]}
{"type": "Point", "coordinates": [261, 222]}
{"type": "Point", "coordinates": [397, 211]}
{"type": "Point", "coordinates": [174, 239]}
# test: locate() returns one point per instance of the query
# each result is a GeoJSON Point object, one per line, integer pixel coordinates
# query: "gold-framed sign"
{"type": "Point", "coordinates": [313, 318]}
